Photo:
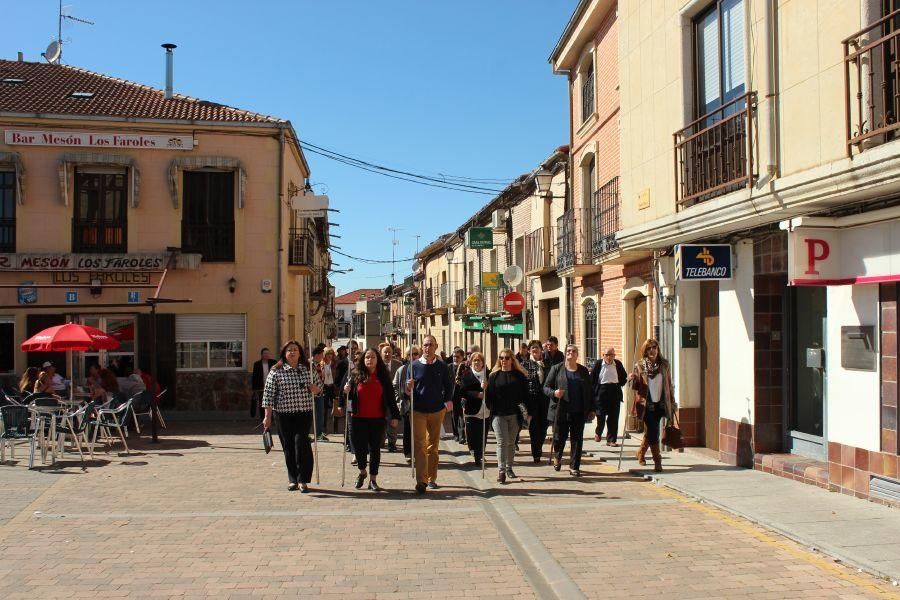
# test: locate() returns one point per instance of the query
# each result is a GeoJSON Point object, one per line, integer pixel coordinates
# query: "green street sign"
{"type": "Point", "coordinates": [480, 238]}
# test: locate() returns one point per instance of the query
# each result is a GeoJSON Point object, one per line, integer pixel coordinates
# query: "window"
{"type": "Point", "coordinates": [7, 344]}
{"type": "Point", "coordinates": [341, 314]}
{"type": "Point", "coordinates": [359, 324]}
{"type": "Point", "coordinates": [7, 211]}
{"type": "Point", "coordinates": [587, 91]}
{"type": "Point", "coordinates": [719, 56]}
{"type": "Point", "coordinates": [101, 213]}
{"type": "Point", "coordinates": [207, 223]}
{"type": "Point", "coordinates": [210, 342]}
{"type": "Point", "coordinates": [590, 332]}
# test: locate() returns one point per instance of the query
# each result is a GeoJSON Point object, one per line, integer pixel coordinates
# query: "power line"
{"type": "Point", "coordinates": [371, 261]}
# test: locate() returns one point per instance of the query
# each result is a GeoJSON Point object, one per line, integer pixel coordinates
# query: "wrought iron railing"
{"type": "Point", "coordinates": [301, 247]}
{"type": "Point", "coordinates": [605, 218]}
{"type": "Point", "coordinates": [540, 250]}
{"type": "Point", "coordinates": [444, 295]}
{"type": "Point", "coordinates": [872, 84]}
{"type": "Point", "coordinates": [714, 154]}
{"type": "Point", "coordinates": [460, 300]}
{"type": "Point", "coordinates": [101, 237]}
{"type": "Point", "coordinates": [573, 238]}
{"type": "Point", "coordinates": [429, 298]}
{"type": "Point", "coordinates": [587, 96]}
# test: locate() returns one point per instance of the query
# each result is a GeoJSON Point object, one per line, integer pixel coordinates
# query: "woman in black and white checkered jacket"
{"type": "Point", "coordinates": [290, 391]}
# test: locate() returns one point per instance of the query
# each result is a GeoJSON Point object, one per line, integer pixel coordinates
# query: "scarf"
{"type": "Point", "coordinates": [649, 369]}
{"type": "Point", "coordinates": [479, 375]}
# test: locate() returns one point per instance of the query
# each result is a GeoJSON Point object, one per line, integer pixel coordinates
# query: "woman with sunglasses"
{"type": "Point", "coordinates": [651, 381]}
{"type": "Point", "coordinates": [402, 398]}
{"type": "Point", "coordinates": [371, 402]}
{"type": "Point", "coordinates": [472, 383]}
{"type": "Point", "coordinates": [571, 406]}
{"type": "Point", "coordinates": [290, 392]}
{"type": "Point", "coordinates": [507, 388]}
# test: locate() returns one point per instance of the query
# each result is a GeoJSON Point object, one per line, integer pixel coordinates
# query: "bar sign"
{"type": "Point", "coordinates": [71, 297]}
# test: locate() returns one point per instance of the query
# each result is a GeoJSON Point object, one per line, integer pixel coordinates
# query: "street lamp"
{"type": "Point", "coordinates": [542, 181]}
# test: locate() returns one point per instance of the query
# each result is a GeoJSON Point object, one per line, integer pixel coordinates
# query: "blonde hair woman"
{"type": "Point", "coordinates": [507, 388]}
{"type": "Point", "coordinates": [651, 381]}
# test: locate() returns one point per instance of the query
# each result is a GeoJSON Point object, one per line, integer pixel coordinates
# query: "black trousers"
{"type": "Point", "coordinates": [537, 429]}
{"type": "Point", "coordinates": [459, 429]}
{"type": "Point", "coordinates": [475, 437]}
{"type": "Point", "coordinates": [652, 417]}
{"type": "Point", "coordinates": [293, 430]}
{"type": "Point", "coordinates": [609, 403]}
{"type": "Point", "coordinates": [367, 435]}
{"type": "Point", "coordinates": [407, 436]}
{"type": "Point", "coordinates": [569, 426]}
{"type": "Point", "coordinates": [256, 403]}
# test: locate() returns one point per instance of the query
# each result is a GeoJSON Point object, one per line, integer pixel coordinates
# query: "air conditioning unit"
{"type": "Point", "coordinates": [498, 218]}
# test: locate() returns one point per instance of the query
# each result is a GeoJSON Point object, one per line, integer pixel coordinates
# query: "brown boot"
{"type": "Point", "coordinates": [657, 458]}
{"type": "Point", "coordinates": [641, 452]}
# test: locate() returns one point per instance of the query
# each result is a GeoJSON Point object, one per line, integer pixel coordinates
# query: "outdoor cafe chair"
{"type": "Point", "coordinates": [76, 423]}
{"type": "Point", "coordinates": [14, 421]}
{"type": "Point", "coordinates": [143, 406]}
{"type": "Point", "coordinates": [109, 417]}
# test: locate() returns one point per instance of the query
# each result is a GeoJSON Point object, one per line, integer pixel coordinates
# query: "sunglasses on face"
{"type": "Point", "coordinates": [506, 358]}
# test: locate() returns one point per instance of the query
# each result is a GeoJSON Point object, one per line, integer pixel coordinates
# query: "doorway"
{"type": "Point", "coordinates": [709, 363]}
{"type": "Point", "coordinates": [807, 406]}
{"type": "Point", "coordinates": [637, 318]}
{"type": "Point", "coordinates": [122, 328]}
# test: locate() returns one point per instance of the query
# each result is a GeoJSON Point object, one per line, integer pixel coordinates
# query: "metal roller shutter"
{"type": "Point", "coordinates": [204, 328]}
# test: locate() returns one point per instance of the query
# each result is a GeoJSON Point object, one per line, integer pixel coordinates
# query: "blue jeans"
{"type": "Point", "coordinates": [320, 415]}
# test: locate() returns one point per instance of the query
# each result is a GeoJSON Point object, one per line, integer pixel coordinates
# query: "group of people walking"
{"type": "Point", "coordinates": [536, 388]}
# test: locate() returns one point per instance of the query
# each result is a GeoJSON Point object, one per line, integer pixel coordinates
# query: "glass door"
{"type": "Point", "coordinates": [121, 360]}
{"type": "Point", "coordinates": [807, 407]}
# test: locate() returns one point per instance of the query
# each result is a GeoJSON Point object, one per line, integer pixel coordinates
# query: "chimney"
{"type": "Point", "coordinates": [21, 57]}
{"type": "Point", "coordinates": [169, 57]}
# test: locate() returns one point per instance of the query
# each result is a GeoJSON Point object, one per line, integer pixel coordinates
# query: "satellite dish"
{"type": "Point", "coordinates": [513, 275]}
{"type": "Point", "coordinates": [53, 52]}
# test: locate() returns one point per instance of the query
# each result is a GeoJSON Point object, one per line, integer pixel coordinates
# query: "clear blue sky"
{"type": "Point", "coordinates": [460, 87]}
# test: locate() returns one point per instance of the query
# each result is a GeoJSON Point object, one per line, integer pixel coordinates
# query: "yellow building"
{"type": "Point", "coordinates": [113, 193]}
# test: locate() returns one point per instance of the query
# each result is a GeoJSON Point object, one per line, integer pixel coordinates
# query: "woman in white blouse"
{"type": "Point", "coordinates": [651, 381]}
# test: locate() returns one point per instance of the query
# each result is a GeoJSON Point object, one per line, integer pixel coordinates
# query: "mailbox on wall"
{"type": "Point", "coordinates": [858, 348]}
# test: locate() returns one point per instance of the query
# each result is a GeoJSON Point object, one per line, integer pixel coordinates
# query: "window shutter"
{"type": "Point", "coordinates": [708, 61]}
{"type": "Point", "coordinates": [733, 61]}
{"type": "Point", "coordinates": [201, 328]}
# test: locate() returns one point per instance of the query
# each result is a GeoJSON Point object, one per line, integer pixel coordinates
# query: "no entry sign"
{"type": "Point", "coordinates": [513, 303]}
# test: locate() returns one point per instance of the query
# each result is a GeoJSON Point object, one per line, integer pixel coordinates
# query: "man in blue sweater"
{"type": "Point", "coordinates": [430, 388]}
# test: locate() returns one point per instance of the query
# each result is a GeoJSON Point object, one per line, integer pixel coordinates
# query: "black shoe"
{"type": "Point", "coordinates": [501, 477]}
{"type": "Point", "coordinates": [360, 480]}
{"type": "Point", "coordinates": [556, 465]}
{"type": "Point", "coordinates": [510, 474]}
{"type": "Point", "coordinates": [392, 449]}
{"type": "Point", "coordinates": [574, 472]}
{"type": "Point", "coordinates": [537, 460]}
{"type": "Point", "coordinates": [433, 485]}
{"type": "Point", "coordinates": [353, 461]}
{"type": "Point", "coordinates": [420, 488]}
{"type": "Point", "coordinates": [292, 487]}
{"type": "Point", "coordinates": [374, 486]}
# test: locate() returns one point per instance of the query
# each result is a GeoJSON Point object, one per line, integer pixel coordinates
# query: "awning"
{"type": "Point", "coordinates": [12, 159]}
{"type": "Point", "coordinates": [194, 163]}
{"type": "Point", "coordinates": [844, 251]}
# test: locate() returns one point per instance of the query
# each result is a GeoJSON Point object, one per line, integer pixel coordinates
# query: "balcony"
{"type": "Point", "coordinates": [540, 255]}
{"type": "Point", "coordinates": [460, 300]}
{"type": "Point", "coordinates": [605, 220]}
{"type": "Point", "coordinates": [872, 84]}
{"type": "Point", "coordinates": [301, 251]}
{"type": "Point", "coordinates": [714, 154]}
{"type": "Point", "coordinates": [443, 299]}
{"type": "Point", "coordinates": [490, 301]}
{"type": "Point", "coordinates": [429, 300]}
{"type": "Point", "coordinates": [97, 237]}
{"type": "Point", "coordinates": [573, 244]}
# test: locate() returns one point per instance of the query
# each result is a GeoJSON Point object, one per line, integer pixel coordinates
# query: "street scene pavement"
{"type": "Point", "coordinates": [209, 515]}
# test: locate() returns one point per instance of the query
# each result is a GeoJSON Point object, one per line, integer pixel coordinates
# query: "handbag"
{"type": "Point", "coordinates": [672, 435]}
{"type": "Point", "coordinates": [523, 416]}
{"type": "Point", "coordinates": [267, 440]}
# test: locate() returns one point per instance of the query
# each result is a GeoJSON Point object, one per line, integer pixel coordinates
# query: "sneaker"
{"type": "Point", "coordinates": [433, 485]}
{"type": "Point", "coordinates": [420, 488]}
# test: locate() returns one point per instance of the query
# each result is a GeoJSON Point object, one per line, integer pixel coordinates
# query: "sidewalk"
{"type": "Point", "coordinates": [859, 533]}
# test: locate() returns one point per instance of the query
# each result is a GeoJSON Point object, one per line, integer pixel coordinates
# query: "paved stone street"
{"type": "Point", "coordinates": [209, 515]}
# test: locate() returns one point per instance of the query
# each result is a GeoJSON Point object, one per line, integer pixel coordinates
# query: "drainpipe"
{"type": "Point", "coordinates": [771, 93]}
{"type": "Point", "coordinates": [280, 253]}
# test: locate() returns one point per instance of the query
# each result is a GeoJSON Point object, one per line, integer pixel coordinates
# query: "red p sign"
{"type": "Point", "coordinates": [816, 250]}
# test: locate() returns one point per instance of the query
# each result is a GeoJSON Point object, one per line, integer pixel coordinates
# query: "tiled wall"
{"type": "Point", "coordinates": [849, 469]}
{"type": "Point", "coordinates": [735, 443]}
{"type": "Point", "coordinates": [889, 416]}
{"type": "Point", "coordinates": [689, 420]}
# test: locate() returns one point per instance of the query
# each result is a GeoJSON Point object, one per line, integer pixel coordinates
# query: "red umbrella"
{"type": "Point", "coordinates": [70, 337]}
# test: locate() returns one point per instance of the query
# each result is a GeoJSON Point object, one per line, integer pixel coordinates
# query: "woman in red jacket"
{"type": "Point", "coordinates": [371, 402]}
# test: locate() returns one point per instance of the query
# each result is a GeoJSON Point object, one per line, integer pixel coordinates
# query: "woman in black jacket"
{"type": "Point", "coordinates": [571, 406]}
{"type": "Point", "coordinates": [507, 388]}
{"type": "Point", "coordinates": [370, 392]}
{"type": "Point", "coordinates": [472, 384]}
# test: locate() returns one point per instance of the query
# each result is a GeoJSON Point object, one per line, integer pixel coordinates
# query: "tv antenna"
{"type": "Point", "coordinates": [53, 53]}
{"type": "Point", "coordinates": [394, 243]}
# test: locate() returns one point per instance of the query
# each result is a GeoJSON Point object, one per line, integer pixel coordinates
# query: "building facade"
{"type": "Point", "coordinates": [114, 194]}
{"type": "Point", "coordinates": [767, 129]}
